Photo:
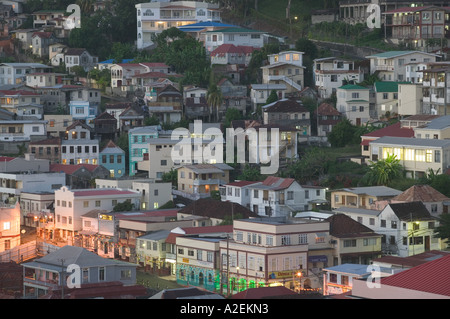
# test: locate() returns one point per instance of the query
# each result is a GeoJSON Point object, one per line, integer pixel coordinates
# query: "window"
{"type": "Point", "coordinates": [285, 240]}
{"type": "Point", "coordinates": [350, 243]}
{"type": "Point", "coordinates": [290, 195]}
{"type": "Point", "coordinates": [199, 254]}
{"type": "Point", "coordinates": [393, 224]}
{"type": "Point", "coordinates": [333, 278]}
{"type": "Point", "coordinates": [255, 193]}
{"type": "Point", "coordinates": [269, 240]}
{"type": "Point", "coordinates": [383, 223]}
{"type": "Point", "coordinates": [101, 274]}
{"type": "Point", "coordinates": [302, 238]}
{"type": "Point", "coordinates": [97, 203]}
{"type": "Point", "coordinates": [125, 274]}
{"type": "Point", "coordinates": [437, 156]}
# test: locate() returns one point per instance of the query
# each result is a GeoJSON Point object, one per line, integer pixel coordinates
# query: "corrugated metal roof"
{"type": "Point", "coordinates": [431, 277]}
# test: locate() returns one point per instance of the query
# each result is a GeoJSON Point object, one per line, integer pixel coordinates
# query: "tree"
{"type": "Point", "coordinates": [171, 177]}
{"type": "Point", "coordinates": [443, 230]}
{"type": "Point", "coordinates": [342, 133]}
{"type": "Point", "coordinates": [232, 114]}
{"type": "Point", "coordinates": [273, 97]}
{"type": "Point", "coordinates": [251, 173]}
{"type": "Point", "coordinates": [214, 99]}
{"type": "Point", "coordinates": [125, 206]}
{"type": "Point", "coordinates": [384, 171]}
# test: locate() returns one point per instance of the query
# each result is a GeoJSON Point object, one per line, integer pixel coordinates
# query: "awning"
{"type": "Point", "coordinates": [318, 259]}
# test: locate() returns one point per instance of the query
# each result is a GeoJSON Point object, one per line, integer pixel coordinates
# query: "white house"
{"type": "Point", "coordinates": [274, 196]}
{"type": "Point", "coordinates": [70, 205]}
{"type": "Point", "coordinates": [233, 35]}
{"type": "Point", "coordinates": [285, 67]}
{"type": "Point", "coordinates": [329, 74]}
{"type": "Point", "coordinates": [79, 148]}
{"type": "Point", "coordinates": [259, 93]}
{"type": "Point", "coordinates": [408, 229]}
{"type": "Point", "coordinates": [79, 57]}
{"type": "Point", "coordinates": [15, 73]}
{"type": "Point", "coordinates": [156, 16]}
{"type": "Point", "coordinates": [14, 183]}
{"type": "Point", "coordinates": [391, 65]}
{"type": "Point", "coordinates": [353, 103]}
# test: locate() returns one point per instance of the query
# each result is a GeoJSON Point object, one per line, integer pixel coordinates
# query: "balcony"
{"type": "Point", "coordinates": [384, 68]}
{"type": "Point", "coordinates": [210, 181]}
{"type": "Point", "coordinates": [50, 283]}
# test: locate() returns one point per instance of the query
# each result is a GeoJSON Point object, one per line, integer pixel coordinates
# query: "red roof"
{"type": "Point", "coordinates": [394, 130]}
{"type": "Point", "coordinates": [17, 92]}
{"type": "Point", "coordinates": [241, 183]}
{"type": "Point", "coordinates": [281, 183]}
{"type": "Point", "coordinates": [231, 48]}
{"type": "Point", "coordinates": [431, 277]}
{"type": "Point", "coordinates": [70, 169]}
{"type": "Point", "coordinates": [101, 192]}
{"type": "Point", "coordinates": [6, 158]}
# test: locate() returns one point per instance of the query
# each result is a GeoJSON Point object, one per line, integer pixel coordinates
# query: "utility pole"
{"type": "Point", "coordinates": [62, 278]}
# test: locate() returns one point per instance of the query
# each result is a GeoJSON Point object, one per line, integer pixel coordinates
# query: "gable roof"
{"type": "Point", "coordinates": [327, 109]}
{"type": "Point", "coordinates": [343, 226]}
{"type": "Point", "coordinates": [75, 51]}
{"type": "Point", "coordinates": [78, 123]}
{"type": "Point", "coordinates": [411, 211]}
{"type": "Point", "coordinates": [285, 105]}
{"type": "Point", "coordinates": [431, 277]}
{"type": "Point", "coordinates": [227, 48]}
{"type": "Point", "coordinates": [423, 193]}
{"type": "Point", "coordinates": [278, 183]}
{"type": "Point", "coordinates": [71, 169]}
{"type": "Point", "coordinates": [76, 255]}
{"type": "Point", "coordinates": [111, 147]}
{"type": "Point", "coordinates": [213, 208]}
{"type": "Point", "coordinates": [395, 130]}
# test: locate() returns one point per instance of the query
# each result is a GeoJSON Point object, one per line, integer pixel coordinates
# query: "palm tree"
{"type": "Point", "coordinates": [384, 171]}
{"type": "Point", "coordinates": [214, 99]}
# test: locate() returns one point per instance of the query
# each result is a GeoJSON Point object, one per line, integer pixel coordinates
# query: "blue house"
{"type": "Point", "coordinates": [112, 158]}
{"type": "Point", "coordinates": [84, 110]}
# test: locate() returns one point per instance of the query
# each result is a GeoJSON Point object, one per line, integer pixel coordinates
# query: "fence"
{"type": "Point", "coordinates": [27, 251]}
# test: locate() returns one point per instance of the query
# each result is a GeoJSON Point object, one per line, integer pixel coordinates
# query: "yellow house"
{"type": "Point", "coordinates": [361, 197]}
{"type": "Point", "coordinates": [201, 179]}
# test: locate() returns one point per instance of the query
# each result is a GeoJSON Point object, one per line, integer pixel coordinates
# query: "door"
{"type": "Point", "coordinates": [427, 243]}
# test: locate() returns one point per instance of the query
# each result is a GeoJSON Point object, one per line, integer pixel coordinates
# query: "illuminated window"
{"type": "Point", "coordinates": [429, 156]}
{"type": "Point", "coordinates": [6, 225]}
{"type": "Point", "coordinates": [420, 155]}
{"type": "Point", "coordinates": [409, 154]}
{"type": "Point", "coordinates": [155, 205]}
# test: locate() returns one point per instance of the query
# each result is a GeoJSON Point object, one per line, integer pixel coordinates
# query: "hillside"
{"type": "Point", "coordinates": [270, 15]}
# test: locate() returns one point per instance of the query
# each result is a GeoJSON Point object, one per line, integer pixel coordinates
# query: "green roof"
{"type": "Point", "coordinates": [386, 86]}
{"type": "Point", "coordinates": [236, 30]}
{"type": "Point", "coordinates": [353, 87]}
{"type": "Point", "coordinates": [357, 101]}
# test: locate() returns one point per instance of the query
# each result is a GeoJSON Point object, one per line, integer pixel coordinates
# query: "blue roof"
{"type": "Point", "coordinates": [110, 61]}
{"type": "Point", "coordinates": [356, 269]}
